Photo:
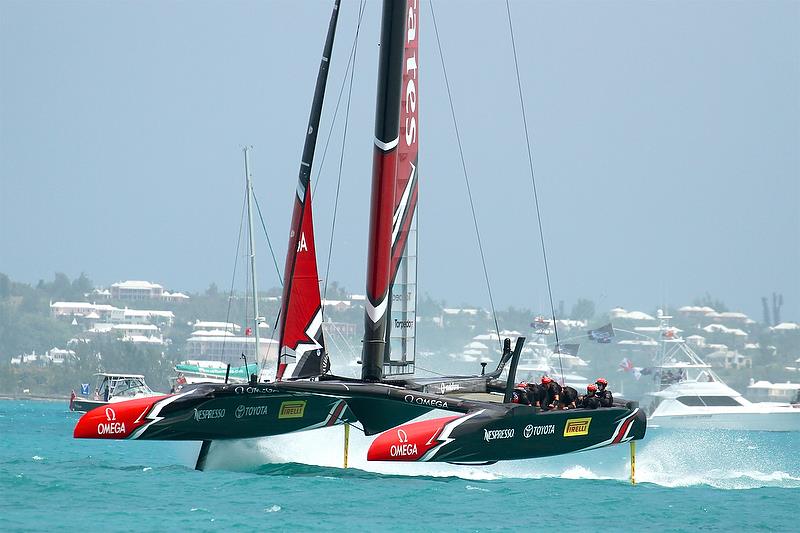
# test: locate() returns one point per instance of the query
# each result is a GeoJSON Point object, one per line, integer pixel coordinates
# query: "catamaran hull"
{"type": "Point", "coordinates": [784, 419]}
{"type": "Point", "coordinates": [213, 412]}
{"type": "Point", "coordinates": [487, 436]}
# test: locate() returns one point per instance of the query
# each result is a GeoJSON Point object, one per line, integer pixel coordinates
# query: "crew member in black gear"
{"type": "Point", "coordinates": [568, 397]}
{"type": "Point", "coordinates": [590, 399]}
{"type": "Point", "coordinates": [535, 394]}
{"type": "Point", "coordinates": [603, 394]}
{"type": "Point", "coordinates": [552, 393]}
{"type": "Point", "coordinates": [520, 394]}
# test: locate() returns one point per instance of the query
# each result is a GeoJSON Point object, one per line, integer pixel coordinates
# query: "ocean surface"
{"type": "Point", "coordinates": [687, 481]}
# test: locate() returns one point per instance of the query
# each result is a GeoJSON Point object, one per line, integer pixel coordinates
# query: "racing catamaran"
{"type": "Point", "coordinates": [487, 426]}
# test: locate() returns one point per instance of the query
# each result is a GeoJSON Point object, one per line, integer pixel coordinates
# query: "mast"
{"type": "Point", "coordinates": [302, 350]}
{"type": "Point", "coordinates": [249, 180]}
{"type": "Point", "coordinates": [389, 213]}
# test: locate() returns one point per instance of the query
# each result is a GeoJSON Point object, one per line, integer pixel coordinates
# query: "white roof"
{"type": "Point", "coordinates": [486, 337]}
{"type": "Point", "coordinates": [696, 309]}
{"type": "Point", "coordinates": [136, 284]}
{"type": "Point", "coordinates": [207, 324]}
{"type": "Point", "coordinates": [135, 327]}
{"type": "Point", "coordinates": [733, 314]}
{"type": "Point", "coordinates": [711, 328]}
{"type": "Point", "coordinates": [638, 342]}
{"type": "Point", "coordinates": [785, 326]}
{"type": "Point", "coordinates": [475, 345]}
{"type": "Point", "coordinates": [762, 384]}
{"type": "Point", "coordinates": [619, 312]}
{"type": "Point", "coordinates": [212, 333]}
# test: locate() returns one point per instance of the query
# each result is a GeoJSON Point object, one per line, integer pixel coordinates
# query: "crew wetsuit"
{"type": "Point", "coordinates": [606, 398]}
{"type": "Point", "coordinates": [590, 401]}
{"type": "Point", "coordinates": [552, 395]}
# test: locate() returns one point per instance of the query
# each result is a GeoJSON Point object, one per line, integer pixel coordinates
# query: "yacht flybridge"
{"type": "Point", "coordinates": [690, 395]}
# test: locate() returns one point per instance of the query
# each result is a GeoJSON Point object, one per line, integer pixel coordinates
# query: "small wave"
{"type": "Point", "coordinates": [272, 509]}
{"type": "Point", "coordinates": [147, 469]}
{"type": "Point", "coordinates": [194, 509]}
{"type": "Point", "coordinates": [37, 458]}
{"type": "Point", "coordinates": [473, 487]}
{"type": "Point", "coordinates": [579, 472]}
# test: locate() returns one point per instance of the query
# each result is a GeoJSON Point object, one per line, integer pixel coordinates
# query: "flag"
{"type": "Point", "coordinates": [602, 335]}
{"type": "Point", "coordinates": [85, 389]}
{"type": "Point", "coordinates": [568, 349]}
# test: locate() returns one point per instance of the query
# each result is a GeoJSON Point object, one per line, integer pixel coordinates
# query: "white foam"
{"type": "Point", "coordinates": [666, 458]}
{"type": "Point", "coordinates": [273, 509]}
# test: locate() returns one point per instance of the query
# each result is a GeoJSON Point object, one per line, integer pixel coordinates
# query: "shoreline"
{"type": "Point", "coordinates": [34, 397]}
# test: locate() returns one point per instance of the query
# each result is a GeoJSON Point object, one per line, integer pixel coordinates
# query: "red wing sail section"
{"type": "Point", "coordinates": [401, 347]}
{"type": "Point", "coordinates": [405, 192]}
{"type": "Point", "coordinates": [302, 351]}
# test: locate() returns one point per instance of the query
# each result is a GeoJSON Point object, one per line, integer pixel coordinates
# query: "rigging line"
{"type": "Point", "coordinates": [269, 243]}
{"type": "Point", "coordinates": [535, 192]}
{"type": "Point", "coordinates": [235, 264]}
{"type": "Point", "coordinates": [341, 160]}
{"type": "Point", "coordinates": [350, 60]}
{"type": "Point", "coordinates": [466, 177]}
{"type": "Point", "coordinates": [429, 371]}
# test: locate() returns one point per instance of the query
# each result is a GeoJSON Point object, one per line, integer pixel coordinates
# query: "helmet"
{"type": "Point", "coordinates": [522, 385]}
{"type": "Point", "coordinates": [602, 381]}
{"type": "Point", "coordinates": [591, 388]}
{"type": "Point", "coordinates": [546, 380]}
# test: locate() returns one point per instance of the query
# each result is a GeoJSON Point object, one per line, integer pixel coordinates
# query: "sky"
{"type": "Point", "coordinates": [665, 139]}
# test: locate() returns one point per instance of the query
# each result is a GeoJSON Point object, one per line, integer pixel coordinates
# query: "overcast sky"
{"type": "Point", "coordinates": [666, 141]}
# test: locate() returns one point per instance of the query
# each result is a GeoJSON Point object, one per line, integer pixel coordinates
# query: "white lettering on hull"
{"type": "Point", "coordinates": [403, 450]}
{"type": "Point", "coordinates": [111, 428]}
{"type": "Point", "coordinates": [494, 434]}
{"type": "Point", "coordinates": [430, 402]}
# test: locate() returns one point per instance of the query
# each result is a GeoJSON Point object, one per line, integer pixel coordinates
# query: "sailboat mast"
{"type": "Point", "coordinates": [384, 171]}
{"type": "Point", "coordinates": [249, 179]}
{"type": "Point", "coordinates": [384, 181]}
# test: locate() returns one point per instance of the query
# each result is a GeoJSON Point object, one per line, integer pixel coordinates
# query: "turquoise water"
{"type": "Point", "coordinates": [688, 481]}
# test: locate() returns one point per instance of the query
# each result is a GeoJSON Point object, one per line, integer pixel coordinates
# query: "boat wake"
{"type": "Point", "coordinates": [668, 458]}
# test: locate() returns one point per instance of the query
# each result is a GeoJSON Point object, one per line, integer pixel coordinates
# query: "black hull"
{"type": "Point", "coordinates": [521, 433]}
{"type": "Point", "coordinates": [213, 412]}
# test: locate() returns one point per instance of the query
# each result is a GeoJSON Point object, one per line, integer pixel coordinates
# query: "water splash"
{"type": "Point", "coordinates": [669, 458]}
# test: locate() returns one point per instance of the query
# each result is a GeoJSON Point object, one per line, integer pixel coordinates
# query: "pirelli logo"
{"type": "Point", "coordinates": [292, 409]}
{"type": "Point", "coordinates": [577, 426]}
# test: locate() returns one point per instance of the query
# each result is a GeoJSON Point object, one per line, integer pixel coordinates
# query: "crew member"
{"type": "Point", "coordinates": [552, 393]}
{"type": "Point", "coordinates": [568, 397]}
{"type": "Point", "coordinates": [520, 394]}
{"type": "Point", "coordinates": [535, 394]}
{"type": "Point", "coordinates": [603, 394]}
{"type": "Point", "coordinates": [590, 399]}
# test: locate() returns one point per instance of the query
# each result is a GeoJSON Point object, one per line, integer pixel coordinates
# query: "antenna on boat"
{"type": "Point", "coordinates": [252, 250]}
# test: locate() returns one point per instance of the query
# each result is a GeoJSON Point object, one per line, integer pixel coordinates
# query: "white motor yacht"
{"type": "Point", "coordinates": [690, 395]}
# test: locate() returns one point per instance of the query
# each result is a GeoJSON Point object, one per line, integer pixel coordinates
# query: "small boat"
{"type": "Point", "coordinates": [194, 371]}
{"type": "Point", "coordinates": [690, 395]}
{"type": "Point", "coordinates": [112, 388]}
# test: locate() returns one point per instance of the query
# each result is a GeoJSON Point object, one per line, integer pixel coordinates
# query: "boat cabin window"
{"type": "Point", "coordinates": [708, 401]}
